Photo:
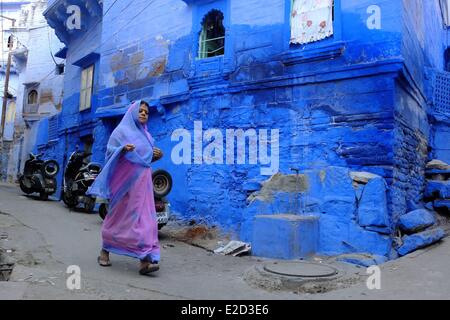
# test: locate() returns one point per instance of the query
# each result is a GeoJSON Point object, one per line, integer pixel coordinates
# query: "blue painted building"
{"type": "Point", "coordinates": [340, 86]}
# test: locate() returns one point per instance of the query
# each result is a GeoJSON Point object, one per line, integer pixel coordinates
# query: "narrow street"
{"type": "Point", "coordinates": [44, 238]}
{"type": "Point", "coordinates": [47, 238]}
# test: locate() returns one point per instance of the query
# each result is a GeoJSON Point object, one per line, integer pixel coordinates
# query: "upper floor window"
{"type": "Point", "coordinates": [212, 36]}
{"type": "Point", "coordinates": [33, 97]}
{"type": "Point", "coordinates": [87, 81]}
{"type": "Point", "coordinates": [311, 20]}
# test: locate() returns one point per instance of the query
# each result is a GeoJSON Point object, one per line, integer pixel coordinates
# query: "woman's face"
{"type": "Point", "coordinates": [143, 114]}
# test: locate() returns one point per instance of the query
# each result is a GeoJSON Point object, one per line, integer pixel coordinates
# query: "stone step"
{"type": "Point", "coordinates": [443, 203]}
{"type": "Point", "coordinates": [416, 221]}
{"type": "Point", "coordinates": [437, 171]}
{"type": "Point", "coordinates": [437, 189]}
{"type": "Point", "coordinates": [285, 236]}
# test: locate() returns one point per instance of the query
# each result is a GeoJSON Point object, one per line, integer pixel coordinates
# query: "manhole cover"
{"type": "Point", "coordinates": [301, 269]}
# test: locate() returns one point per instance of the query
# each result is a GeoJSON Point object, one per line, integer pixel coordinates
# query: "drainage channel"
{"type": "Point", "coordinates": [5, 271]}
{"type": "Point", "coordinates": [6, 266]}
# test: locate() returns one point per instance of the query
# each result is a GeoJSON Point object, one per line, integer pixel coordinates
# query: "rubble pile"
{"type": "Point", "coordinates": [420, 228]}
{"type": "Point", "coordinates": [437, 192]}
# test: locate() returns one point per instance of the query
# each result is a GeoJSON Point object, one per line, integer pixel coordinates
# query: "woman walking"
{"type": "Point", "coordinates": [131, 226]}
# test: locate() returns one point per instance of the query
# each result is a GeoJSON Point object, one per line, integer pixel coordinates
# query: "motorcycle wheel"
{"type": "Point", "coordinates": [89, 205]}
{"type": "Point", "coordinates": [43, 196]}
{"type": "Point", "coordinates": [69, 201]}
{"type": "Point", "coordinates": [23, 187]}
{"type": "Point", "coordinates": [103, 211]}
{"type": "Point", "coordinates": [50, 168]}
{"type": "Point", "coordinates": [162, 183]}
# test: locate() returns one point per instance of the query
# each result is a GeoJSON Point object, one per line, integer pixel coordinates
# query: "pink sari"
{"type": "Point", "coordinates": [131, 226]}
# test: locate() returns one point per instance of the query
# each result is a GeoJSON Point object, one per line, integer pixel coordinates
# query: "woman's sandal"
{"type": "Point", "coordinates": [103, 263]}
{"type": "Point", "coordinates": [149, 268]}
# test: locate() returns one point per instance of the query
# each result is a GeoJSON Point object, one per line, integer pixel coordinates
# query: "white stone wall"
{"type": "Point", "coordinates": [36, 43]}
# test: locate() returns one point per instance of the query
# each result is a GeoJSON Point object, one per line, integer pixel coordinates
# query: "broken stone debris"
{"type": "Point", "coordinates": [420, 240]}
{"type": "Point", "coordinates": [364, 260]}
{"type": "Point", "coordinates": [437, 191]}
{"type": "Point", "coordinates": [437, 164]}
{"type": "Point", "coordinates": [416, 221]}
{"type": "Point", "coordinates": [234, 248]}
{"type": "Point", "coordinates": [362, 177]}
{"type": "Point", "coordinates": [442, 204]}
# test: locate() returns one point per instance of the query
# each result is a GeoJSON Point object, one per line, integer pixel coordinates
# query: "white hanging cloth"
{"type": "Point", "coordinates": [311, 20]}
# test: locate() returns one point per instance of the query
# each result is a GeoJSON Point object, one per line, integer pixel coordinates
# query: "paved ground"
{"type": "Point", "coordinates": [45, 238]}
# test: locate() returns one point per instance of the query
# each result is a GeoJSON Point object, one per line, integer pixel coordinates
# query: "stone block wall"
{"type": "Point", "coordinates": [352, 209]}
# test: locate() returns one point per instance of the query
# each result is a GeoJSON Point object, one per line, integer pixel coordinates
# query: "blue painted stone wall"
{"type": "Point", "coordinates": [433, 41]}
{"type": "Point", "coordinates": [345, 101]}
{"type": "Point", "coordinates": [353, 216]}
{"type": "Point", "coordinates": [422, 50]}
{"type": "Point", "coordinates": [320, 105]}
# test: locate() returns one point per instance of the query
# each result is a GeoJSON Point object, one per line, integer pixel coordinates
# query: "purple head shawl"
{"type": "Point", "coordinates": [129, 131]}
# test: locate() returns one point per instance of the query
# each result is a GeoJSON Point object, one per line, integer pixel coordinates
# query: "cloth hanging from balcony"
{"type": "Point", "coordinates": [311, 20]}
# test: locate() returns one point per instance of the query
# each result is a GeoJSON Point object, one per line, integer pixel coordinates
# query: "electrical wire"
{"type": "Point", "coordinates": [50, 46]}
{"type": "Point", "coordinates": [39, 82]}
{"type": "Point", "coordinates": [126, 25]}
{"type": "Point", "coordinates": [3, 53]}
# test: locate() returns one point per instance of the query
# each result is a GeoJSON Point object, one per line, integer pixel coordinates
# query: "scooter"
{"type": "Point", "coordinates": [78, 177]}
{"type": "Point", "coordinates": [162, 185]}
{"type": "Point", "coordinates": [39, 176]}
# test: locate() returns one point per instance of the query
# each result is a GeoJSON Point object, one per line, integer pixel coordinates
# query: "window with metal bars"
{"type": "Point", "coordinates": [212, 36]}
{"type": "Point", "coordinates": [441, 94]}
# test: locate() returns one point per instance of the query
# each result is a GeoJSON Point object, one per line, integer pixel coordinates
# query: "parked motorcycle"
{"type": "Point", "coordinates": [162, 185]}
{"type": "Point", "coordinates": [39, 176]}
{"type": "Point", "coordinates": [78, 177]}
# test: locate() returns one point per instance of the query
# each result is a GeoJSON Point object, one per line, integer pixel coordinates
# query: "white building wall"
{"type": "Point", "coordinates": [35, 44]}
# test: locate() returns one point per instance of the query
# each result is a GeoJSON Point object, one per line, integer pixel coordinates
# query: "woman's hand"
{"type": "Point", "coordinates": [157, 154]}
{"type": "Point", "coordinates": [129, 148]}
